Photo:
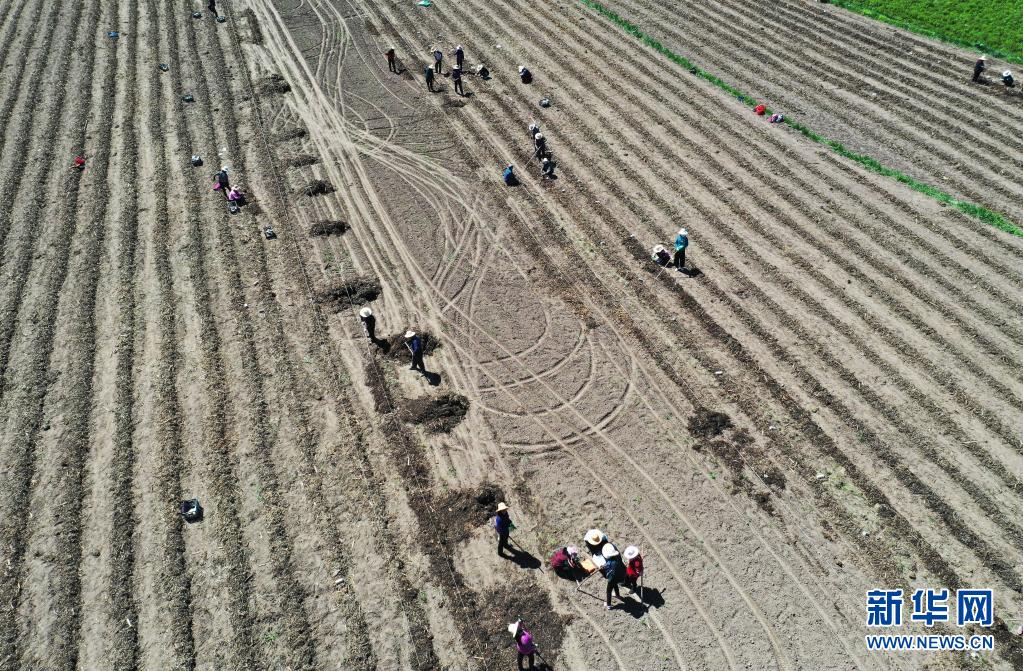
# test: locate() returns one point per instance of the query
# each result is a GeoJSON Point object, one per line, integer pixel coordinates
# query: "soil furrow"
{"type": "Point", "coordinates": [58, 610]}
{"type": "Point", "coordinates": [27, 385]}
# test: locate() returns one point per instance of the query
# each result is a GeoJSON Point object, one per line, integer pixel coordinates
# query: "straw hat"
{"type": "Point", "coordinates": [409, 334]}
{"type": "Point", "coordinates": [631, 552]}
{"type": "Point", "coordinates": [365, 312]}
{"type": "Point", "coordinates": [223, 168]}
{"type": "Point", "coordinates": [983, 58]}
{"type": "Point", "coordinates": [521, 68]}
{"type": "Point", "coordinates": [658, 249]}
{"type": "Point", "coordinates": [594, 536]}
{"type": "Point", "coordinates": [683, 231]}
{"type": "Point", "coordinates": [513, 628]}
{"type": "Point", "coordinates": [502, 506]}
{"type": "Point", "coordinates": [539, 136]}
{"type": "Point", "coordinates": [609, 551]}
{"type": "Point", "coordinates": [1007, 73]}
{"type": "Point", "coordinates": [458, 48]}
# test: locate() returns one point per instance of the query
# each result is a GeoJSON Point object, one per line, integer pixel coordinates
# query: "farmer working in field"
{"type": "Point", "coordinates": [415, 346]}
{"type": "Point", "coordinates": [438, 58]}
{"type": "Point", "coordinates": [614, 571]}
{"type": "Point", "coordinates": [978, 68]}
{"type": "Point", "coordinates": [459, 55]}
{"type": "Point", "coordinates": [369, 323]}
{"type": "Point", "coordinates": [391, 65]}
{"type": "Point", "coordinates": [681, 242]}
{"type": "Point", "coordinates": [524, 645]}
{"type": "Point", "coordinates": [428, 74]}
{"type": "Point", "coordinates": [1008, 80]}
{"type": "Point", "coordinates": [456, 77]}
{"type": "Point", "coordinates": [502, 526]}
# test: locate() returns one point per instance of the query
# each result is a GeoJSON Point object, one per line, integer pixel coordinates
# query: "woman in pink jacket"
{"type": "Point", "coordinates": [524, 645]}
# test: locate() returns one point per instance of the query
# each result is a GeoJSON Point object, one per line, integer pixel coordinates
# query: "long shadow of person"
{"type": "Point", "coordinates": [521, 557]}
{"type": "Point", "coordinates": [382, 344]}
{"type": "Point", "coordinates": [432, 379]}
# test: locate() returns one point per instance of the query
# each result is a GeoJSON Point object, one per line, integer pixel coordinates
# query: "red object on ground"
{"type": "Point", "coordinates": [79, 162]}
{"type": "Point", "coordinates": [760, 109]}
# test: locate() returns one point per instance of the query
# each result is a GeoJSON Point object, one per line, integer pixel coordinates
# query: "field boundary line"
{"type": "Point", "coordinates": [979, 212]}
{"type": "Point", "coordinates": [919, 29]}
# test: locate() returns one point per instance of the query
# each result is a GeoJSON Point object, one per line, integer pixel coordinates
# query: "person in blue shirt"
{"type": "Point", "coordinates": [415, 345]}
{"type": "Point", "coordinates": [681, 242]}
{"type": "Point", "coordinates": [503, 526]}
{"type": "Point", "coordinates": [614, 571]}
{"type": "Point", "coordinates": [509, 175]}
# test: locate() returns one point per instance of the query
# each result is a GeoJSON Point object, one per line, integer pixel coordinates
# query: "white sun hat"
{"type": "Point", "coordinates": [365, 312]}
{"type": "Point", "coordinates": [521, 68]}
{"type": "Point", "coordinates": [513, 628]}
{"type": "Point", "coordinates": [683, 231]}
{"type": "Point", "coordinates": [594, 536]}
{"type": "Point", "coordinates": [631, 552]}
{"type": "Point", "coordinates": [502, 506]}
{"type": "Point", "coordinates": [658, 249]}
{"type": "Point", "coordinates": [983, 57]}
{"type": "Point", "coordinates": [609, 551]}
{"type": "Point", "coordinates": [1007, 73]}
{"type": "Point", "coordinates": [409, 334]}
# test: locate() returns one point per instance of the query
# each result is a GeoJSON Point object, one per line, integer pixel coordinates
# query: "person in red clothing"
{"type": "Point", "coordinates": [633, 566]}
{"type": "Point", "coordinates": [564, 561]}
{"type": "Point", "coordinates": [524, 645]}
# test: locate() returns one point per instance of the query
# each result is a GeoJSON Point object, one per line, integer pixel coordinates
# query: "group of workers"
{"type": "Point", "coordinates": [430, 72]}
{"type": "Point", "coordinates": [981, 65]}
{"type": "Point", "coordinates": [413, 341]}
{"type": "Point", "coordinates": [617, 568]}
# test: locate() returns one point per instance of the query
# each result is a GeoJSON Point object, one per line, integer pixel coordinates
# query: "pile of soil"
{"type": "Point", "coordinates": [301, 160]}
{"type": "Point", "coordinates": [708, 424]}
{"type": "Point", "coordinates": [328, 227]}
{"type": "Point", "coordinates": [460, 513]}
{"type": "Point", "coordinates": [275, 83]}
{"type": "Point", "coordinates": [521, 599]}
{"type": "Point", "coordinates": [318, 187]}
{"type": "Point", "coordinates": [436, 415]}
{"type": "Point", "coordinates": [348, 293]}
{"type": "Point", "coordinates": [293, 134]}
{"type": "Point", "coordinates": [396, 348]}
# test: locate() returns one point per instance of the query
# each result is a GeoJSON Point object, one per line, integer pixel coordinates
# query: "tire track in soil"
{"type": "Point", "coordinates": [818, 438]}
{"type": "Point", "coordinates": [357, 646]}
{"type": "Point", "coordinates": [989, 508]}
{"type": "Point", "coordinates": [407, 261]}
{"type": "Point", "coordinates": [418, 626]}
{"type": "Point", "coordinates": [72, 401]}
{"type": "Point", "coordinates": [40, 42]}
{"type": "Point", "coordinates": [24, 407]}
{"type": "Point", "coordinates": [7, 40]}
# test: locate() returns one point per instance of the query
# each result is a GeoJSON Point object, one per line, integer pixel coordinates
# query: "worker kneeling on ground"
{"type": "Point", "coordinates": [1008, 80]}
{"type": "Point", "coordinates": [525, 75]}
{"type": "Point", "coordinates": [565, 562]}
{"type": "Point", "coordinates": [660, 255]}
{"type": "Point", "coordinates": [509, 175]}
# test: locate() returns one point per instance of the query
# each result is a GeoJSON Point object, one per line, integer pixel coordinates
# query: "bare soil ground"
{"type": "Point", "coordinates": [828, 402]}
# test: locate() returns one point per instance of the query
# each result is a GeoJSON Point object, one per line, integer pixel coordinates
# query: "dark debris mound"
{"type": "Point", "coordinates": [328, 227]}
{"type": "Point", "coordinates": [460, 513]}
{"type": "Point", "coordinates": [436, 415]}
{"type": "Point", "coordinates": [396, 348]}
{"type": "Point", "coordinates": [708, 423]}
{"type": "Point", "coordinates": [515, 599]}
{"type": "Point", "coordinates": [318, 187]}
{"type": "Point", "coordinates": [275, 83]}
{"type": "Point", "coordinates": [288, 135]}
{"type": "Point", "coordinates": [348, 293]}
{"type": "Point", "coordinates": [300, 160]}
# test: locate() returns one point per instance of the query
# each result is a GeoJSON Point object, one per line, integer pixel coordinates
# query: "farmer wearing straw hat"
{"type": "Point", "coordinates": [633, 566]}
{"type": "Point", "coordinates": [681, 242]}
{"type": "Point", "coordinates": [978, 68]}
{"type": "Point", "coordinates": [438, 58]}
{"type": "Point", "coordinates": [595, 539]}
{"type": "Point", "coordinates": [613, 571]}
{"type": "Point", "coordinates": [502, 526]}
{"type": "Point", "coordinates": [415, 346]}
{"type": "Point", "coordinates": [459, 55]}
{"type": "Point", "coordinates": [1007, 79]}
{"type": "Point", "coordinates": [524, 645]}
{"type": "Point", "coordinates": [369, 322]}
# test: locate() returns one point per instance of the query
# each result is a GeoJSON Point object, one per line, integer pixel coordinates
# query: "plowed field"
{"type": "Point", "coordinates": [825, 403]}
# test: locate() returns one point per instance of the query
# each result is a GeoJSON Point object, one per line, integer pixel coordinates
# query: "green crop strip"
{"type": "Point", "coordinates": [981, 213]}
{"type": "Point", "coordinates": [993, 27]}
